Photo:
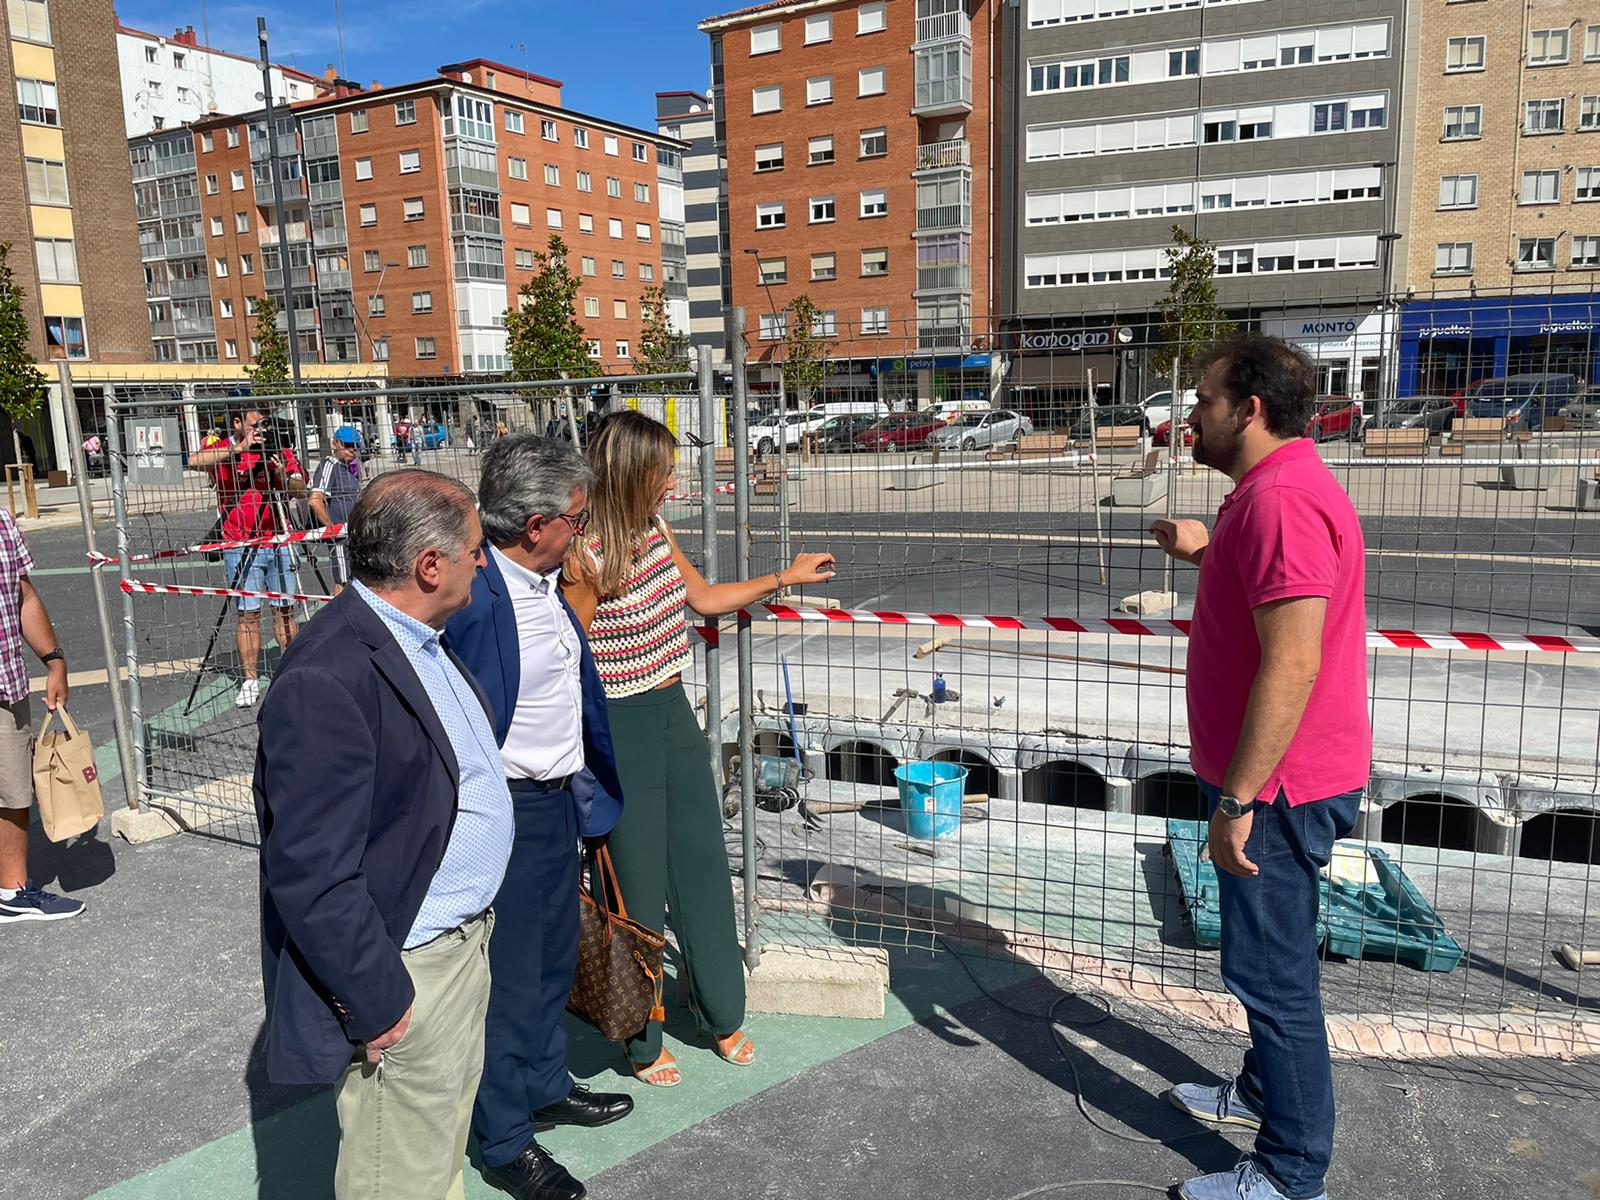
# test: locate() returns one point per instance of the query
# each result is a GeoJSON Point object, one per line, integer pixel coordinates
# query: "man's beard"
{"type": "Point", "coordinates": [1221, 451]}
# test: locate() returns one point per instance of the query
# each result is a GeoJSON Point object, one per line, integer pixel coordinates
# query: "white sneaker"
{"type": "Point", "coordinates": [249, 693]}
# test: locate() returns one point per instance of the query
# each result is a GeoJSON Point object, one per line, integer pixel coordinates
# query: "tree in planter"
{"type": "Point", "coordinates": [1191, 319]}
{"type": "Point", "coordinates": [269, 374]}
{"type": "Point", "coordinates": [661, 348]}
{"type": "Point", "coordinates": [544, 338]}
{"type": "Point", "coordinates": [22, 384]}
{"type": "Point", "coordinates": [805, 350]}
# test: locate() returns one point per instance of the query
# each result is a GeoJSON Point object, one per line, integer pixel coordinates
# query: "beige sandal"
{"type": "Point", "coordinates": [647, 1074]}
{"type": "Point", "coordinates": [733, 1052]}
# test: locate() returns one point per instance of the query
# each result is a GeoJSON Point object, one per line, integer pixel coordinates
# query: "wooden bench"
{"type": "Point", "coordinates": [1395, 443]}
{"type": "Point", "coordinates": [1031, 445]}
{"type": "Point", "coordinates": [1119, 437]}
{"type": "Point", "coordinates": [1474, 431]}
{"type": "Point", "coordinates": [722, 458]}
{"type": "Point", "coordinates": [1142, 485]}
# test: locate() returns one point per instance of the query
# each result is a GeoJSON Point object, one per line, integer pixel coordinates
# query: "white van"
{"type": "Point", "coordinates": [1158, 408]}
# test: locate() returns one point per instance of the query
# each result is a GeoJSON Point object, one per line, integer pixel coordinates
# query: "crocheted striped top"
{"type": "Point", "coordinates": [639, 637]}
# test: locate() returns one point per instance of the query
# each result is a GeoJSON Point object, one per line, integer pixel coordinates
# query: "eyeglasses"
{"type": "Point", "coordinates": [579, 523]}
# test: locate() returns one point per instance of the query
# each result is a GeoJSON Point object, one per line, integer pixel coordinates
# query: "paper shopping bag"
{"type": "Point", "coordinates": [65, 780]}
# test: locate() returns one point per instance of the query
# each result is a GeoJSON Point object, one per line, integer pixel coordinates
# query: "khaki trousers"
{"type": "Point", "coordinates": [403, 1122]}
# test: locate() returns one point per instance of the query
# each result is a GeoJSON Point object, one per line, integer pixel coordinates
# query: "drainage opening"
{"type": "Point", "coordinates": [982, 779]}
{"type": "Point", "coordinates": [1566, 835]}
{"type": "Point", "coordinates": [1436, 821]}
{"type": "Point", "coordinates": [862, 762]}
{"type": "Point", "coordinates": [1068, 784]}
{"type": "Point", "coordinates": [1172, 794]}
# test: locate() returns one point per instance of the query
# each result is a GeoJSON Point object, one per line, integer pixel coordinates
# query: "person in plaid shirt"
{"type": "Point", "coordinates": [23, 619]}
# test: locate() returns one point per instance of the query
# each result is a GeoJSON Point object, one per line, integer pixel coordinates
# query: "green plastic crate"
{"type": "Point", "coordinates": [1388, 919]}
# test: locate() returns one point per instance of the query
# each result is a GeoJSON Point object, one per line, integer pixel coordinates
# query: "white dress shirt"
{"type": "Point", "coordinates": [545, 740]}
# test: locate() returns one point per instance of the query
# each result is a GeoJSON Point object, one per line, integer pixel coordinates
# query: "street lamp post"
{"type": "Point", "coordinates": [1386, 242]}
{"type": "Point", "coordinates": [783, 425]}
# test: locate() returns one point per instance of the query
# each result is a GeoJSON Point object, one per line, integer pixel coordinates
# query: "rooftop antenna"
{"type": "Point", "coordinates": [527, 82]}
{"type": "Point", "coordinates": [338, 26]}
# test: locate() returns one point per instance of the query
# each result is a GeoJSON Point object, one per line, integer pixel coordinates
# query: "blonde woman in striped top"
{"type": "Point", "coordinates": [629, 584]}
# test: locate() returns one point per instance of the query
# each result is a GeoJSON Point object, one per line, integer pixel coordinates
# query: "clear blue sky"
{"type": "Point", "coordinates": [612, 55]}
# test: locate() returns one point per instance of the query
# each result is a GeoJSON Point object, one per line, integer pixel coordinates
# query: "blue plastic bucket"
{"type": "Point", "coordinates": [930, 796]}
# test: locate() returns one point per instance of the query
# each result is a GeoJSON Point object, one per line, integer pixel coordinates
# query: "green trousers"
{"type": "Point", "coordinates": [670, 856]}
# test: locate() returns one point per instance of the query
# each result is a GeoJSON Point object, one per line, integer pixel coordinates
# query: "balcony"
{"type": "Point", "coordinates": [950, 217]}
{"type": "Point", "coordinates": [297, 231]}
{"type": "Point", "coordinates": [187, 289]}
{"type": "Point", "coordinates": [944, 27]}
{"type": "Point", "coordinates": [333, 281]}
{"type": "Point", "coordinates": [190, 327]}
{"type": "Point", "coordinates": [952, 152]}
{"type": "Point", "coordinates": [161, 329]}
{"type": "Point", "coordinates": [944, 335]}
{"type": "Point", "coordinates": [299, 276]}
{"type": "Point", "coordinates": [473, 223]}
{"type": "Point", "coordinates": [474, 177]}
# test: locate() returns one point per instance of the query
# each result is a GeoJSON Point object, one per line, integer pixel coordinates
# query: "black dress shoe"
{"type": "Point", "coordinates": [534, 1175]}
{"type": "Point", "coordinates": [585, 1108]}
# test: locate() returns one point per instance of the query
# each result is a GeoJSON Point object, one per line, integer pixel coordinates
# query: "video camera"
{"type": "Point", "coordinates": [276, 436]}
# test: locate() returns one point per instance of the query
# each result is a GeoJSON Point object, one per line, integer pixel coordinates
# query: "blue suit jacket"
{"type": "Point", "coordinates": [355, 791]}
{"type": "Point", "coordinates": [484, 634]}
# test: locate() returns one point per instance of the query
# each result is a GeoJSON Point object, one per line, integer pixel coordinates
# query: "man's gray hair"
{"type": "Point", "coordinates": [523, 475]}
{"type": "Point", "coordinates": [399, 516]}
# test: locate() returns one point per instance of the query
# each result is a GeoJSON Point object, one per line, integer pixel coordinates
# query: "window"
{"type": "Point", "coordinates": [1547, 47]}
{"type": "Point", "coordinates": [426, 348]}
{"type": "Point", "coordinates": [819, 90]}
{"type": "Point", "coordinates": [522, 258]}
{"type": "Point", "coordinates": [874, 203]}
{"type": "Point", "coordinates": [1181, 63]}
{"type": "Point", "coordinates": [619, 310]}
{"type": "Point", "coordinates": [647, 272]}
{"type": "Point", "coordinates": [225, 308]}
{"type": "Point", "coordinates": [417, 256]}
{"type": "Point", "coordinates": [772, 270]}
{"type": "Point", "coordinates": [552, 175]}
{"type": "Point", "coordinates": [769, 157]}
{"type": "Point", "coordinates": [822, 210]}
{"type": "Point", "coordinates": [405, 112]}
{"type": "Point", "coordinates": [47, 181]}
{"type": "Point", "coordinates": [619, 269]}
{"type": "Point", "coordinates": [413, 208]}
{"type": "Point", "coordinates": [1591, 43]}
{"type": "Point", "coordinates": [589, 266]}
{"type": "Point", "coordinates": [773, 326]}
{"type": "Point", "coordinates": [410, 162]}
{"type": "Point", "coordinates": [233, 137]}
{"type": "Point", "coordinates": [1544, 116]}
{"type": "Point", "coordinates": [358, 120]}
{"type": "Point", "coordinates": [37, 103]}
{"type": "Point", "coordinates": [594, 347]}
{"type": "Point", "coordinates": [641, 232]}
{"type": "Point", "coordinates": [521, 214]}
{"type": "Point", "coordinates": [1464, 53]}
{"type": "Point", "coordinates": [613, 187]}
{"type": "Point", "coordinates": [1536, 254]}
{"type": "Point", "coordinates": [241, 222]}
{"type": "Point", "coordinates": [591, 306]}
{"type": "Point", "coordinates": [585, 182]}
{"type": "Point", "coordinates": [247, 264]}
{"type": "Point", "coordinates": [371, 260]}
{"type": "Point", "coordinates": [1458, 191]}
{"type": "Point", "coordinates": [207, 143]}
{"type": "Point", "coordinates": [211, 185]}
{"type": "Point", "coordinates": [57, 260]}
{"type": "Point", "coordinates": [1589, 114]}
{"type": "Point", "coordinates": [870, 18]}
{"type": "Point", "coordinates": [820, 151]}
{"type": "Point", "coordinates": [1463, 122]}
{"type": "Point", "coordinates": [641, 152]}
{"type": "Point", "coordinates": [622, 349]}
{"type": "Point", "coordinates": [1586, 252]}
{"type": "Point", "coordinates": [641, 193]}
{"type": "Point", "coordinates": [64, 337]}
{"type": "Point", "coordinates": [369, 214]}
{"type": "Point", "coordinates": [513, 121]}
{"type": "Point", "coordinates": [548, 131]}
{"type": "Point", "coordinates": [766, 39]}
{"type": "Point", "coordinates": [825, 324]}
{"type": "Point", "coordinates": [154, 87]}
{"type": "Point", "coordinates": [422, 302]}
{"type": "Point", "coordinates": [183, 95]}
{"type": "Point", "coordinates": [875, 262]}
{"type": "Point", "coordinates": [376, 306]}
{"type": "Point", "coordinates": [230, 348]}
{"type": "Point", "coordinates": [874, 320]}
{"type": "Point", "coordinates": [824, 266]}
{"type": "Point", "coordinates": [872, 81]}
{"type": "Point", "coordinates": [770, 216]}
{"type": "Point", "coordinates": [1540, 187]}
{"type": "Point", "coordinates": [585, 222]}
{"type": "Point", "coordinates": [220, 267]}
{"type": "Point", "coordinates": [819, 29]}
{"type": "Point", "coordinates": [614, 227]}
{"type": "Point", "coordinates": [363, 168]}
{"type": "Point", "coordinates": [1452, 258]}
{"type": "Point", "coordinates": [150, 54]}
{"type": "Point", "coordinates": [766, 99]}
{"type": "Point", "coordinates": [380, 349]}
{"type": "Point", "coordinates": [236, 181]}
{"type": "Point", "coordinates": [216, 226]}
{"type": "Point", "coordinates": [1588, 184]}
{"type": "Point", "coordinates": [580, 138]}
{"type": "Point", "coordinates": [160, 122]}
{"type": "Point", "coordinates": [250, 304]}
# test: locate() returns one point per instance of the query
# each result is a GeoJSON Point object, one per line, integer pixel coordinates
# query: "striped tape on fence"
{"type": "Point", "coordinates": [325, 533]}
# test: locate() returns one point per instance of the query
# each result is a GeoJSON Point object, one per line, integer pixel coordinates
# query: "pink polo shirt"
{"type": "Point", "coordinates": [1287, 531]}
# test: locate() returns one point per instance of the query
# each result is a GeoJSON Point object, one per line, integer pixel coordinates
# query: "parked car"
{"type": "Point", "coordinates": [993, 427]}
{"type": "Point", "coordinates": [764, 437]}
{"type": "Point", "coordinates": [433, 435]}
{"type": "Point", "coordinates": [1433, 413]}
{"type": "Point", "coordinates": [840, 433]}
{"type": "Point", "coordinates": [1082, 423]}
{"type": "Point", "coordinates": [1522, 401]}
{"type": "Point", "coordinates": [898, 431]}
{"type": "Point", "coordinates": [1162, 436]}
{"type": "Point", "coordinates": [1583, 412]}
{"type": "Point", "coordinates": [1157, 407]}
{"type": "Point", "coordinates": [1335, 416]}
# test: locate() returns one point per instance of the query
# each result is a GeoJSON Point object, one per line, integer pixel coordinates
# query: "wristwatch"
{"type": "Point", "coordinates": [1233, 807]}
{"type": "Point", "coordinates": [54, 656]}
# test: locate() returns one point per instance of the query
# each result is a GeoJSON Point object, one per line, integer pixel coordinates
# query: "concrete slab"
{"type": "Point", "coordinates": [138, 826]}
{"type": "Point", "coordinates": [820, 981]}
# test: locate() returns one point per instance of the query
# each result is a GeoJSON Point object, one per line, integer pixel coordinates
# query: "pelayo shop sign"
{"type": "Point", "coordinates": [1077, 339]}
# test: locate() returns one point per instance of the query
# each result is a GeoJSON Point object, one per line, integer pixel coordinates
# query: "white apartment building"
{"type": "Point", "coordinates": [170, 81]}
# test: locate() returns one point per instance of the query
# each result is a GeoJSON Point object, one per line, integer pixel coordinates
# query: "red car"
{"type": "Point", "coordinates": [1336, 416]}
{"type": "Point", "coordinates": [899, 431]}
{"type": "Point", "coordinates": [1163, 434]}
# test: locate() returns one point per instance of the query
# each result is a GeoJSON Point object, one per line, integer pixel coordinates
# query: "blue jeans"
{"type": "Point", "coordinates": [1270, 964]}
{"type": "Point", "coordinates": [271, 569]}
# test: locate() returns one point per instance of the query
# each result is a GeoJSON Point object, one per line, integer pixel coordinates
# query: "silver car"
{"type": "Point", "coordinates": [973, 430]}
{"type": "Point", "coordinates": [1584, 410]}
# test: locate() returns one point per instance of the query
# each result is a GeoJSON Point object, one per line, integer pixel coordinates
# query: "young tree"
{"type": "Point", "coordinates": [661, 348]}
{"type": "Point", "coordinates": [1191, 319]}
{"type": "Point", "coordinates": [805, 350]}
{"type": "Point", "coordinates": [544, 337]}
{"type": "Point", "coordinates": [21, 382]}
{"type": "Point", "coordinates": [269, 374]}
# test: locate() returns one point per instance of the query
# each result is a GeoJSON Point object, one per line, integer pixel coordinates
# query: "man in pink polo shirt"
{"type": "Point", "coordinates": [1281, 741]}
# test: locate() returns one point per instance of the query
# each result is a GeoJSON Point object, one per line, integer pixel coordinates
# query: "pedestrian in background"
{"type": "Point", "coordinates": [335, 487]}
{"type": "Point", "coordinates": [1281, 742]}
{"type": "Point", "coordinates": [385, 831]}
{"type": "Point", "coordinates": [629, 583]}
{"type": "Point", "coordinates": [23, 620]}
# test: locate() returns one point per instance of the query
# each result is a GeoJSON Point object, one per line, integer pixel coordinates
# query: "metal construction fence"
{"type": "Point", "coordinates": [1001, 609]}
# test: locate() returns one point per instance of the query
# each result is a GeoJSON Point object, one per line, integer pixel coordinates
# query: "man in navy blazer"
{"type": "Point", "coordinates": [386, 826]}
{"type": "Point", "coordinates": [527, 649]}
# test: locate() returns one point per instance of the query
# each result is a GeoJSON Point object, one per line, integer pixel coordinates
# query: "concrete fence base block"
{"type": "Point", "coordinates": [818, 981]}
{"type": "Point", "coordinates": [1149, 603]}
{"type": "Point", "coordinates": [140, 825]}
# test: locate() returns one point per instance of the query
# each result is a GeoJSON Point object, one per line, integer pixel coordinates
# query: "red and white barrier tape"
{"type": "Point", "coordinates": [324, 534]}
{"type": "Point", "coordinates": [722, 489]}
{"type": "Point", "coordinates": [139, 587]}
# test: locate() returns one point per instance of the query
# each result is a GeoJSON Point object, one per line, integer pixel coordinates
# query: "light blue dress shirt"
{"type": "Point", "coordinates": [475, 858]}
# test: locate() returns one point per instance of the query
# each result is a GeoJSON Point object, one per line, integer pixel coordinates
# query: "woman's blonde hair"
{"type": "Point", "coordinates": [631, 456]}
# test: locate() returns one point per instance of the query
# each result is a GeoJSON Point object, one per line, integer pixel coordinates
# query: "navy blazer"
{"type": "Point", "coordinates": [484, 634]}
{"type": "Point", "coordinates": [355, 791]}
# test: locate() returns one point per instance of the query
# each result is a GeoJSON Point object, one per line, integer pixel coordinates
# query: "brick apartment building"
{"type": "Point", "coordinates": [414, 213]}
{"type": "Point", "coordinates": [854, 136]}
{"type": "Point", "coordinates": [1504, 230]}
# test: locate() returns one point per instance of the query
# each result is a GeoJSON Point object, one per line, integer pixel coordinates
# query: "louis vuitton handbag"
{"type": "Point", "coordinates": [617, 986]}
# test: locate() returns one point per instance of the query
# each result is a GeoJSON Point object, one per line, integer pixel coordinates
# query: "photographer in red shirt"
{"type": "Point", "coordinates": [255, 472]}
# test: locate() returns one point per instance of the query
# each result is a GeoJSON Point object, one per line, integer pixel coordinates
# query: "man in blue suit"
{"type": "Point", "coordinates": [386, 827]}
{"type": "Point", "coordinates": [525, 646]}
